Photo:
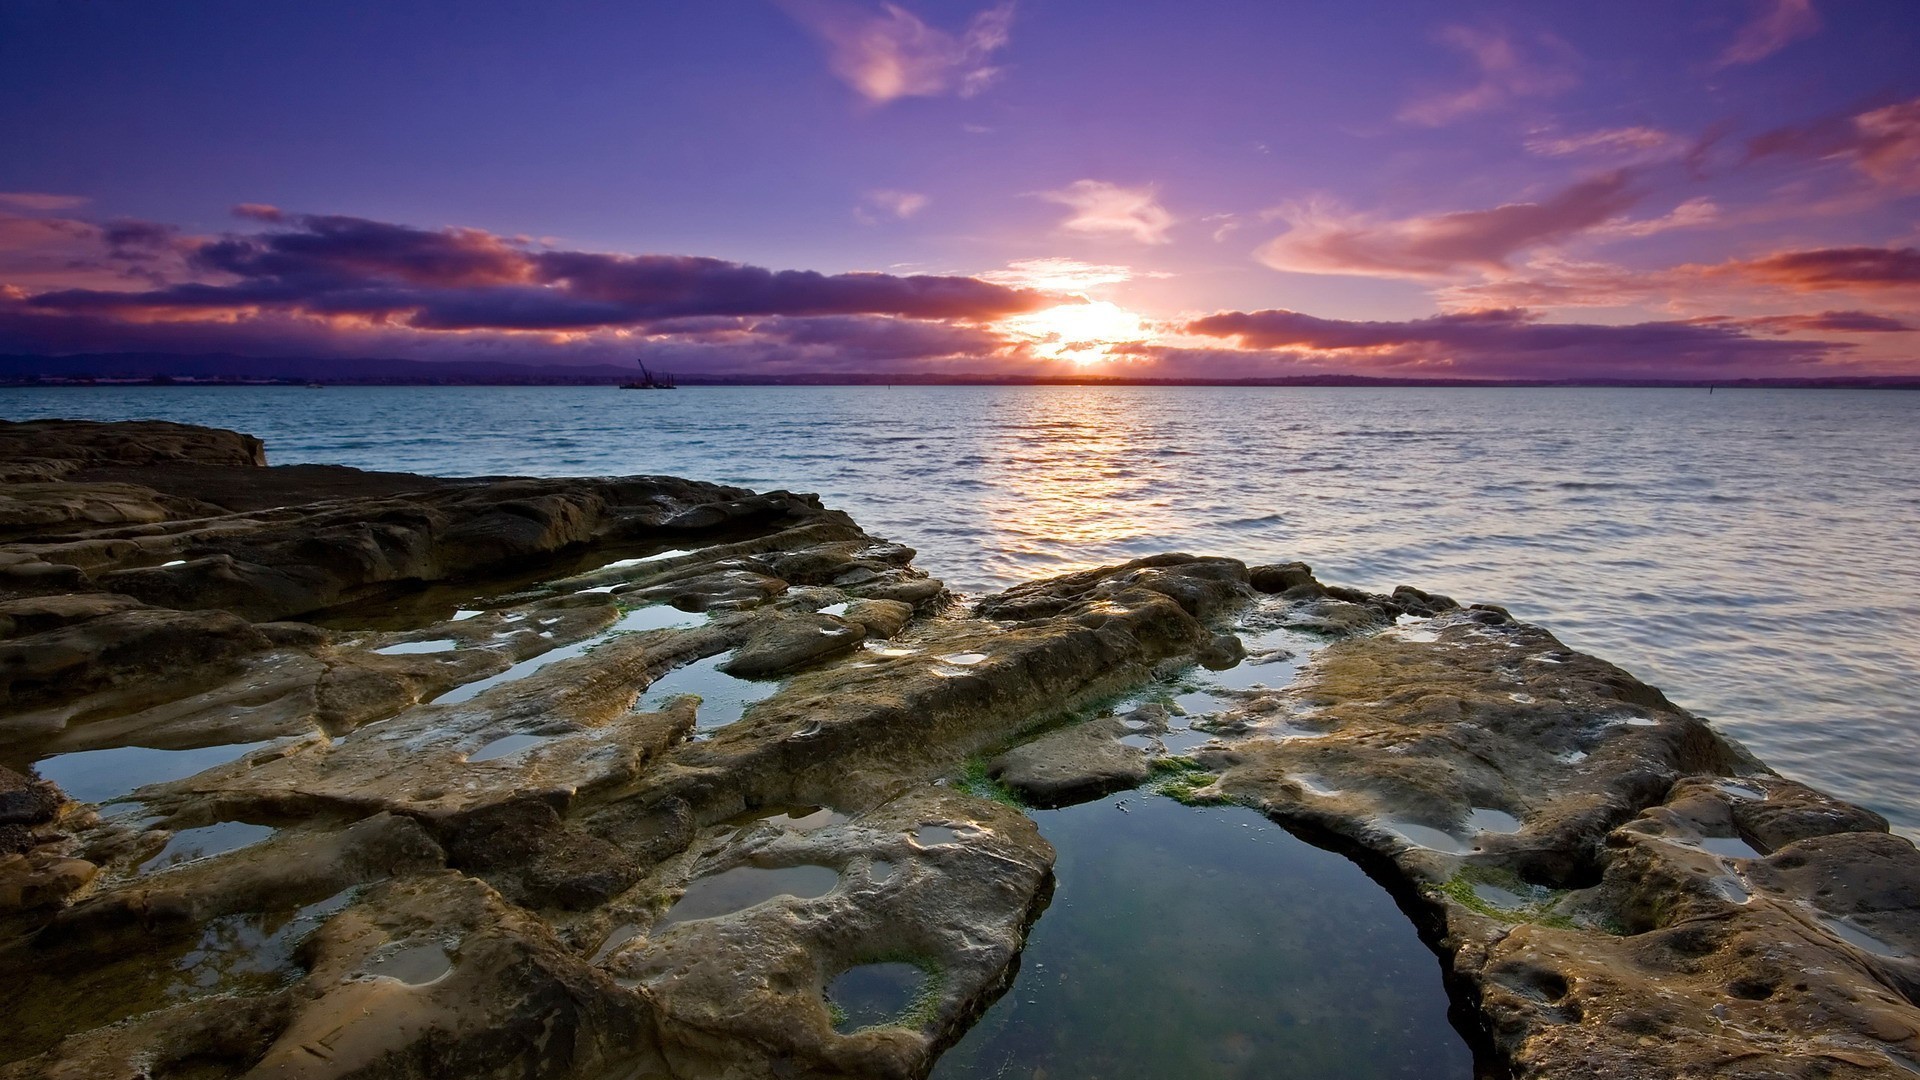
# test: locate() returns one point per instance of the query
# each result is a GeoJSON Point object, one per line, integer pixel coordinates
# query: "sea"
{"type": "Point", "coordinates": [1754, 553]}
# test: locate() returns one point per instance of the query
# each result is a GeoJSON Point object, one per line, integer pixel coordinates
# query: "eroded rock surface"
{"type": "Point", "coordinates": [369, 775]}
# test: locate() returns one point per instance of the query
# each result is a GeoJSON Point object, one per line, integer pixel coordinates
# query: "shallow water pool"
{"type": "Point", "coordinates": [1208, 942]}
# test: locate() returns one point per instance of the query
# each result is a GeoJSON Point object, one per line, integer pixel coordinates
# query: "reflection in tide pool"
{"type": "Point", "coordinates": [723, 698]}
{"type": "Point", "coordinates": [99, 775]}
{"type": "Point", "coordinates": [1204, 943]}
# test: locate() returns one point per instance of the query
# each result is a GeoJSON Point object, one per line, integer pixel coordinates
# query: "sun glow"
{"type": "Point", "coordinates": [1083, 333]}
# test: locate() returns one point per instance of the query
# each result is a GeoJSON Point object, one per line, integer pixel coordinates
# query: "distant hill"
{"type": "Point", "coordinates": [228, 368]}
{"type": "Point", "coordinates": [225, 368]}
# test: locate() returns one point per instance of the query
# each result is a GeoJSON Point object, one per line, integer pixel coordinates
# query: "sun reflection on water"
{"type": "Point", "coordinates": [1068, 481]}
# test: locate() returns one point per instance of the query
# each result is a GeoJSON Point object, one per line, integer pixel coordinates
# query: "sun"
{"type": "Point", "coordinates": [1083, 333]}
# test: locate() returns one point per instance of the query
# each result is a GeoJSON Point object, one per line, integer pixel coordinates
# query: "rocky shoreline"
{"type": "Point", "coordinates": [378, 775]}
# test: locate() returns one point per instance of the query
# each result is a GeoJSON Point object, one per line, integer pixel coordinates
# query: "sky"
{"type": "Point", "coordinates": [1721, 188]}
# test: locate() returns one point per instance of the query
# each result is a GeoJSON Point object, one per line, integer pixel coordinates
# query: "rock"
{"type": "Point", "coordinates": [1222, 652]}
{"type": "Point", "coordinates": [48, 449]}
{"type": "Point", "coordinates": [727, 588]}
{"type": "Point", "coordinates": [39, 880]}
{"type": "Point", "coordinates": [1074, 765]}
{"type": "Point", "coordinates": [444, 833]}
{"type": "Point", "coordinates": [26, 801]}
{"type": "Point", "coordinates": [879, 618]}
{"type": "Point", "coordinates": [782, 644]}
{"type": "Point", "coordinates": [46, 508]}
{"type": "Point", "coordinates": [958, 908]}
{"type": "Point", "coordinates": [1280, 577]}
{"type": "Point", "coordinates": [131, 646]}
{"type": "Point", "coordinates": [1338, 617]}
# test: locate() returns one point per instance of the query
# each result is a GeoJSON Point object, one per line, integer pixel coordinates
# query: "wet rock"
{"type": "Point", "coordinates": [1788, 811]}
{"type": "Point", "coordinates": [1280, 577]}
{"type": "Point", "coordinates": [741, 992]}
{"type": "Point", "coordinates": [478, 840]}
{"type": "Point", "coordinates": [782, 644]}
{"type": "Point", "coordinates": [26, 801]}
{"type": "Point", "coordinates": [526, 851]}
{"type": "Point", "coordinates": [880, 618]}
{"type": "Point", "coordinates": [1203, 587]}
{"type": "Point", "coordinates": [1074, 765]}
{"type": "Point", "coordinates": [728, 588]}
{"type": "Point", "coordinates": [1330, 616]}
{"type": "Point", "coordinates": [1222, 652]}
{"type": "Point", "coordinates": [138, 645]}
{"type": "Point", "coordinates": [1473, 748]}
{"type": "Point", "coordinates": [39, 879]}
{"type": "Point", "coordinates": [48, 449]}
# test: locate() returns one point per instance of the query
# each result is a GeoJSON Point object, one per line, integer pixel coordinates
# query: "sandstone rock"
{"type": "Point", "coordinates": [880, 618]}
{"type": "Point", "coordinates": [1074, 765]}
{"type": "Point", "coordinates": [26, 801]}
{"type": "Point", "coordinates": [459, 850]}
{"type": "Point", "coordinates": [48, 449]}
{"type": "Point", "coordinates": [785, 643]}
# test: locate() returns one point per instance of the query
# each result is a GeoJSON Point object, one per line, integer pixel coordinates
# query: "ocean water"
{"type": "Point", "coordinates": [1751, 552]}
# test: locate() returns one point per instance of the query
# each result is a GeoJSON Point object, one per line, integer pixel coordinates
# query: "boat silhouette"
{"type": "Point", "coordinates": [648, 380]}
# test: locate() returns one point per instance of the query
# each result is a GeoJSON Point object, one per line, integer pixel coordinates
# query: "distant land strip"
{"type": "Point", "coordinates": [221, 369]}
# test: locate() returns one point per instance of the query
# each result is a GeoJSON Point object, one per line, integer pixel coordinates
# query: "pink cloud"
{"type": "Point", "coordinates": [1632, 144]}
{"type": "Point", "coordinates": [1825, 322]}
{"type": "Point", "coordinates": [1506, 74]}
{"type": "Point", "coordinates": [1103, 209]}
{"type": "Point", "coordinates": [893, 53]}
{"type": "Point", "coordinates": [1442, 245]}
{"type": "Point", "coordinates": [336, 284]}
{"type": "Point", "coordinates": [879, 206]}
{"type": "Point", "coordinates": [1826, 269]}
{"type": "Point", "coordinates": [1511, 343]}
{"type": "Point", "coordinates": [1883, 144]}
{"type": "Point", "coordinates": [41, 201]}
{"type": "Point", "coordinates": [1779, 23]}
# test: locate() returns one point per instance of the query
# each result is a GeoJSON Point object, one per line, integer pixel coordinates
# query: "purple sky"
{"type": "Point", "coordinates": [1718, 188]}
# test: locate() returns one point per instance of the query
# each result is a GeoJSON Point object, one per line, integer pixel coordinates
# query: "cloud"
{"type": "Point", "coordinates": [1639, 145]}
{"type": "Point", "coordinates": [40, 252]}
{"type": "Point", "coordinates": [1506, 74]}
{"type": "Point", "coordinates": [878, 206]}
{"type": "Point", "coordinates": [1778, 24]}
{"type": "Point", "coordinates": [329, 266]}
{"type": "Point", "coordinates": [334, 284]}
{"type": "Point", "coordinates": [1884, 274]}
{"type": "Point", "coordinates": [834, 343]}
{"type": "Point", "coordinates": [1322, 241]}
{"type": "Point", "coordinates": [892, 53]}
{"type": "Point", "coordinates": [1883, 144]}
{"type": "Point", "coordinates": [1510, 343]}
{"type": "Point", "coordinates": [1103, 209]}
{"type": "Point", "coordinates": [1060, 275]}
{"type": "Point", "coordinates": [1829, 322]}
{"type": "Point", "coordinates": [41, 201]}
{"type": "Point", "coordinates": [1693, 214]}
{"type": "Point", "coordinates": [1825, 269]}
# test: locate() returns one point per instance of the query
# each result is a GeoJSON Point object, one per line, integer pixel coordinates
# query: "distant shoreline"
{"type": "Point", "coordinates": [802, 382]}
{"type": "Point", "coordinates": [224, 369]}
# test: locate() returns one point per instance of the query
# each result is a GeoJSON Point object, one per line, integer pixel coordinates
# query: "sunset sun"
{"type": "Point", "coordinates": [1083, 333]}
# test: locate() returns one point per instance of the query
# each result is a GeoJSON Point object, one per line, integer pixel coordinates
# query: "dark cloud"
{"type": "Point", "coordinates": [1830, 322]}
{"type": "Point", "coordinates": [1510, 343]}
{"type": "Point", "coordinates": [334, 267]}
{"type": "Point", "coordinates": [1820, 269]}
